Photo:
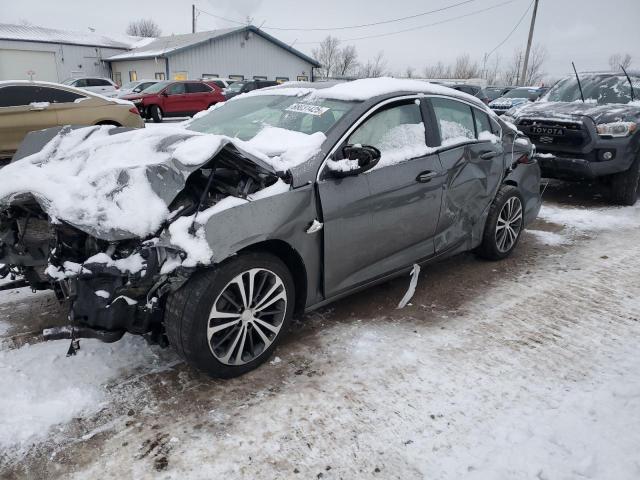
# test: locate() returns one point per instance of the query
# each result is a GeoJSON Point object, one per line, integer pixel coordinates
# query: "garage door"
{"type": "Point", "coordinates": [17, 65]}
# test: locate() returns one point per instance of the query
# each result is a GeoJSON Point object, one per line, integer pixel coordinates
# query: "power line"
{"type": "Point", "coordinates": [512, 31]}
{"type": "Point", "coordinates": [418, 27]}
{"type": "Point", "coordinates": [344, 27]}
{"type": "Point", "coordinates": [363, 25]}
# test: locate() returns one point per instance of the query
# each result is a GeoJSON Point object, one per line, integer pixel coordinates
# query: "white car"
{"type": "Point", "coordinates": [135, 87]}
{"type": "Point", "coordinates": [102, 86]}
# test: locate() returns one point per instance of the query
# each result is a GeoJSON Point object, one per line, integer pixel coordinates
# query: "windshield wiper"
{"type": "Point", "coordinates": [578, 79]}
{"type": "Point", "coordinates": [630, 82]}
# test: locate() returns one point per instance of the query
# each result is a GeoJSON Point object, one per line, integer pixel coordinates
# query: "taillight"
{"type": "Point", "coordinates": [134, 110]}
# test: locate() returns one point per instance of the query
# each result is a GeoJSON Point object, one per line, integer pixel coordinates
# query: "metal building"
{"type": "Point", "coordinates": [29, 52]}
{"type": "Point", "coordinates": [237, 53]}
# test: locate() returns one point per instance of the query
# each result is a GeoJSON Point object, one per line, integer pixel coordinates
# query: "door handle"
{"type": "Point", "coordinates": [425, 177]}
{"type": "Point", "coordinates": [489, 155]}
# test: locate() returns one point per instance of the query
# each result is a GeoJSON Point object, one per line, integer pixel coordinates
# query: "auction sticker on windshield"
{"type": "Point", "coordinates": [307, 108]}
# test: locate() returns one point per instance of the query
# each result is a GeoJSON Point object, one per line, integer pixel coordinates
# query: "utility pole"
{"type": "Point", "coordinates": [193, 18]}
{"type": "Point", "coordinates": [523, 76]}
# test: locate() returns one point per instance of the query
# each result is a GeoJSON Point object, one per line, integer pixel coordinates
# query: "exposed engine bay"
{"type": "Point", "coordinates": [117, 286]}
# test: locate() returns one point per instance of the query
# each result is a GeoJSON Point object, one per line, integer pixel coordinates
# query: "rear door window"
{"type": "Point", "coordinates": [197, 88]}
{"type": "Point", "coordinates": [176, 89]}
{"type": "Point", "coordinates": [24, 95]}
{"type": "Point", "coordinates": [455, 121]}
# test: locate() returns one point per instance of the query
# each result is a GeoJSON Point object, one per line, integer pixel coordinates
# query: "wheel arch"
{"type": "Point", "coordinates": [293, 261]}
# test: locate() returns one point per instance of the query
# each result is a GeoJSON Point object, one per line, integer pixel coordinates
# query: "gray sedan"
{"type": "Point", "coordinates": [308, 194]}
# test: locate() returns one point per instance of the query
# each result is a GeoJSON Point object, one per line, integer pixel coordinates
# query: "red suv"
{"type": "Point", "coordinates": [175, 99]}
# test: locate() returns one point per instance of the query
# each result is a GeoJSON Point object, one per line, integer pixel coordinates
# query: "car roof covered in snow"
{"type": "Point", "coordinates": [365, 89]}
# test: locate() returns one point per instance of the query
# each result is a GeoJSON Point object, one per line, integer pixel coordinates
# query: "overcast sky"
{"type": "Point", "coordinates": [585, 31]}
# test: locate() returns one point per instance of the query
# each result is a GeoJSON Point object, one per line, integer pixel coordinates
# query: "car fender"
{"type": "Point", "coordinates": [284, 217]}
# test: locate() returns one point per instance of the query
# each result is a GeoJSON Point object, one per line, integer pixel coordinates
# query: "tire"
{"type": "Point", "coordinates": [504, 224]}
{"type": "Point", "coordinates": [189, 310]}
{"type": "Point", "coordinates": [156, 113]}
{"type": "Point", "coordinates": [624, 185]}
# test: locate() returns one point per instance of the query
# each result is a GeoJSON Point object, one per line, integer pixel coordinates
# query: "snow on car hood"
{"type": "Point", "coordinates": [611, 112]}
{"type": "Point", "coordinates": [115, 184]}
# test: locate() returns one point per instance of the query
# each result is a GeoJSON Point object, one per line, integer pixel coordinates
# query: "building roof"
{"type": "Point", "coordinates": [163, 46]}
{"type": "Point", "coordinates": [30, 33]}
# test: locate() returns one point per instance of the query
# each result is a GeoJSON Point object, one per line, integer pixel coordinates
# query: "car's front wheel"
{"type": "Point", "coordinates": [156, 113]}
{"type": "Point", "coordinates": [228, 320]}
{"type": "Point", "coordinates": [504, 225]}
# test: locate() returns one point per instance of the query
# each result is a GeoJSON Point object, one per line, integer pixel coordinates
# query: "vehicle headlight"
{"type": "Point", "coordinates": [616, 129]}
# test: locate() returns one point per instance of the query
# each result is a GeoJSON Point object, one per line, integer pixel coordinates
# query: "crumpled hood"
{"type": "Point", "coordinates": [573, 110]}
{"type": "Point", "coordinates": [115, 183]}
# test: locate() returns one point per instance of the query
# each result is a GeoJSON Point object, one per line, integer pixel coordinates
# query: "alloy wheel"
{"type": "Point", "coordinates": [246, 317]}
{"type": "Point", "coordinates": [509, 224]}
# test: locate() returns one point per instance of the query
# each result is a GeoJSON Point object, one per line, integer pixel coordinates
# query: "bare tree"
{"type": "Point", "coordinates": [327, 54]}
{"type": "Point", "coordinates": [145, 27]}
{"type": "Point", "coordinates": [535, 72]}
{"type": "Point", "coordinates": [375, 67]}
{"type": "Point", "coordinates": [408, 73]}
{"type": "Point", "coordinates": [618, 59]}
{"type": "Point", "coordinates": [465, 68]}
{"type": "Point", "coordinates": [439, 70]}
{"type": "Point", "coordinates": [347, 62]}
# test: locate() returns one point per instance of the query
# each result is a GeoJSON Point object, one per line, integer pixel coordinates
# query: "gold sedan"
{"type": "Point", "coordinates": [27, 106]}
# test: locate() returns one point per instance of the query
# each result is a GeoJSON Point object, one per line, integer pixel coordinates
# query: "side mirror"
{"type": "Point", "coordinates": [356, 160]}
{"type": "Point", "coordinates": [164, 94]}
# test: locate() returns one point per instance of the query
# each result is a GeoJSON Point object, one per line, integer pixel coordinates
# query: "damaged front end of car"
{"type": "Point", "coordinates": [111, 281]}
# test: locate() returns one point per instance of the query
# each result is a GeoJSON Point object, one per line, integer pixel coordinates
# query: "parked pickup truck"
{"type": "Point", "coordinates": [588, 129]}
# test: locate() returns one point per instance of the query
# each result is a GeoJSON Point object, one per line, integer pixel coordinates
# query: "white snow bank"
{"type": "Point", "coordinates": [593, 219]}
{"type": "Point", "coordinates": [43, 394]}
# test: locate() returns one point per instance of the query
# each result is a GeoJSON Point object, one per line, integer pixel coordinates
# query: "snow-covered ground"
{"type": "Point", "coordinates": [523, 369]}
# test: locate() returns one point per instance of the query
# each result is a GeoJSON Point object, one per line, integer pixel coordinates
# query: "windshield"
{"type": "Point", "coordinates": [236, 86]}
{"type": "Point", "coordinates": [522, 93]}
{"type": "Point", "coordinates": [157, 87]}
{"type": "Point", "coordinates": [129, 86]}
{"type": "Point", "coordinates": [245, 117]}
{"type": "Point", "coordinates": [493, 93]}
{"type": "Point", "coordinates": [601, 89]}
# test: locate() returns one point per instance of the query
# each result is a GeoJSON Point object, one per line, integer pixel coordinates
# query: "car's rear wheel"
{"type": "Point", "coordinates": [156, 113]}
{"type": "Point", "coordinates": [228, 320]}
{"type": "Point", "coordinates": [504, 225]}
{"type": "Point", "coordinates": [625, 185]}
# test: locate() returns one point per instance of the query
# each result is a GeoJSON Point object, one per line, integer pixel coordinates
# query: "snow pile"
{"type": "Point", "coordinates": [285, 148]}
{"type": "Point", "coordinates": [131, 264]}
{"type": "Point", "coordinates": [601, 219]}
{"type": "Point", "coordinates": [47, 393]}
{"type": "Point", "coordinates": [550, 238]}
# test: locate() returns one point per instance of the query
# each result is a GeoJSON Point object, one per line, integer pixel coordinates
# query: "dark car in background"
{"type": "Point", "coordinates": [516, 96]}
{"type": "Point", "coordinates": [345, 194]}
{"type": "Point", "coordinates": [176, 99]}
{"type": "Point", "coordinates": [244, 86]}
{"type": "Point", "coordinates": [494, 91]}
{"type": "Point", "coordinates": [474, 90]}
{"type": "Point", "coordinates": [588, 130]}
